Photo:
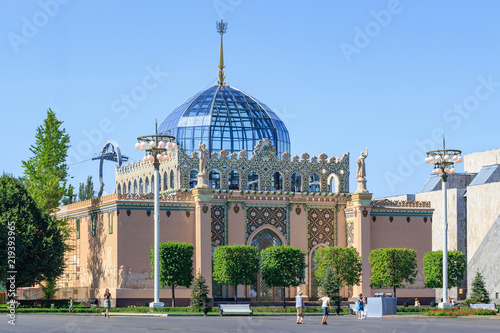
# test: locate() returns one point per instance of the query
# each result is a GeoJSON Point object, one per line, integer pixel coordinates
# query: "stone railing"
{"type": "Point", "coordinates": [400, 203]}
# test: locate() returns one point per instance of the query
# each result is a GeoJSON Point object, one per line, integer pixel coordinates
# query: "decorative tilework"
{"type": "Point", "coordinates": [321, 226]}
{"type": "Point", "coordinates": [258, 215]}
{"type": "Point", "coordinates": [219, 225]}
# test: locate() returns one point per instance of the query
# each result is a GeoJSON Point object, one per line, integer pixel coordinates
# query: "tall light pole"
{"type": "Point", "coordinates": [444, 161]}
{"type": "Point", "coordinates": [156, 147]}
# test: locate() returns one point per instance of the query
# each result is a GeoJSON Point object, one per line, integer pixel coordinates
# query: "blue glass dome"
{"type": "Point", "coordinates": [225, 118]}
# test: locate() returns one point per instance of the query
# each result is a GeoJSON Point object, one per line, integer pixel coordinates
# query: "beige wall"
{"type": "Point", "coordinates": [400, 233]}
{"type": "Point", "coordinates": [475, 161]}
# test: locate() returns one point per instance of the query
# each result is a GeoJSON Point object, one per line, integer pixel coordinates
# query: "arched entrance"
{"type": "Point", "coordinates": [260, 291]}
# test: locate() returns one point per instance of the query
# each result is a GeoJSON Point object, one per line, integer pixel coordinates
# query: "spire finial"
{"type": "Point", "coordinates": [221, 29]}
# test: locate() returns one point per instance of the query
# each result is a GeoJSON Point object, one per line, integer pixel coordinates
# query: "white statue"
{"type": "Point", "coordinates": [204, 155]}
{"type": "Point", "coordinates": [123, 277]}
{"type": "Point", "coordinates": [361, 173]}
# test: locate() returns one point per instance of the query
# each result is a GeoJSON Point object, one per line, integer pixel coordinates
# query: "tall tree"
{"type": "Point", "coordinates": [283, 266]}
{"type": "Point", "coordinates": [70, 196]}
{"type": "Point", "coordinates": [328, 283]}
{"type": "Point", "coordinates": [34, 235]}
{"type": "Point", "coordinates": [344, 262]}
{"type": "Point", "coordinates": [392, 266]}
{"type": "Point", "coordinates": [236, 264]}
{"type": "Point", "coordinates": [46, 171]}
{"type": "Point", "coordinates": [176, 265]}
{"type": "Point", "coordinates": [433, 269]}
{"type": "Point", "coordinates": [86, 191]}
{"type": "Point", "coordinates": [478, 289]}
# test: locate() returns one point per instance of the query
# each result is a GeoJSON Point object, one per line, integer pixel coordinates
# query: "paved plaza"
{"type": "Point", "coordinates": [122, 324]}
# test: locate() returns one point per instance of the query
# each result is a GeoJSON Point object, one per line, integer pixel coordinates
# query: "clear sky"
{"type": "Point", "coordinates": [393, 76]}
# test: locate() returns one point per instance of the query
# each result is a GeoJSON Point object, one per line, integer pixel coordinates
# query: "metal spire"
{"type": "Point", "coordinates": [221, 29]}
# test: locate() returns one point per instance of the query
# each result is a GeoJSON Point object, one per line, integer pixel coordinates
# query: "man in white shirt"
{"type": "Point", "coordinates": [326, 305]}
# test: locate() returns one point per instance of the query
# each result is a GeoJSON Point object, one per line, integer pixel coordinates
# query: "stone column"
{"type": "Point", "coordinates": [362, 242]}
{"type": "Point", "coordinates": [203, 234]}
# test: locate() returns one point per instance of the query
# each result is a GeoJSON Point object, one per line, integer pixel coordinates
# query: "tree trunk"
{"type": "Point", "coordinates": [173, 296]}
{"type": "Point", "coordinates": [236, 294]}
{"type": "Point", "coordinates": [283, 294]}
{"type": "Point", "coordinates": [394, 294]}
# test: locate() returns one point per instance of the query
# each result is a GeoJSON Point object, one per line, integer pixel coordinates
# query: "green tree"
{"type": "Point", "coordinates": [392, 266]}
{"type": "Point", "coordinates": [46, 171]}
{"type": "Point", "coordinates": [433, 269]}
{"type": "Point", "coordinates": [86, 191]}
{"type": "Point", "coordinates": [199, 294]}
{"type": "Point", "coordinates": [283, 266]}
{"type": "Point", "coordinates": [176, 265]}
{"type": "Point", "coordinates": [49, 289]}
{"type": "Point", "coordinates": [328, 283]}
{"type": "Point", "coordinates": [479, 289]}
{"type": "Point", "coordinates": [70, 196]}
{"type": "Point", "coordinates": [28, 233]}
{"type": "Point", "coordinates": [236, 264]}
{"type": "Point", "coordinates": [344, 262]}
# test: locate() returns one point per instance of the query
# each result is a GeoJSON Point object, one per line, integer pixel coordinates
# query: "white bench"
{"type": "Point", "coordinates": [352, 308]}
{"type": "Point", "coordinates": [234, 308]}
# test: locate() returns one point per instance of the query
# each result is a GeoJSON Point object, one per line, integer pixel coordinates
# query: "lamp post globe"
{"type": "Point", "coordinates": [444, 161]}
{"type": "Point", "coordinates": [156, 146]}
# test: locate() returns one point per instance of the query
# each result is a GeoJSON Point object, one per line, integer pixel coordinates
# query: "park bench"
{"type": "Point", "coordinates": [234, 308]}
{"type": "Point", "coordinates": [352, 308]}
{"type": "Point", "coordinates": [483, 306]}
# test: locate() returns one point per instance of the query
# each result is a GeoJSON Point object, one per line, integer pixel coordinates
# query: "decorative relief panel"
{"type": "Point", "coordinates": [349, 234]}
{"type": "Point", "coordinates": [259, 215]}
{"type": "Point", "coordinates": [321, 226]}
{"type": "Point", "coordinates": [219, 224]}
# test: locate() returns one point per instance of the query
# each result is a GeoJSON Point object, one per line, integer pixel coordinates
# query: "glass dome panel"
{"type": "Point", "coordinates": [225, 119]}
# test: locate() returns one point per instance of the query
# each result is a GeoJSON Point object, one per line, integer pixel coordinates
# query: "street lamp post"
{"type": "Point", "coordinates": [156, 147]}
{"type": "Point", "coordinates": [444, 161]}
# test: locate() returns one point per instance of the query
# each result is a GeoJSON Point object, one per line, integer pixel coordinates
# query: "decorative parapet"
{"type": "Point", "coordinates": [164, 196]}
{"type": "Point", "coordinates": [264, 161]}
{"type": "Point", "coordinates": [400, 203]}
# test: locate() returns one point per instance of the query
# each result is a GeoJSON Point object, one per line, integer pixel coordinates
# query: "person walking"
{"type": "Point", "coordinates": [71, 305]}
{"type": "Point", "coordinates": [360, 305]}
{"type": "Point", "coordinates": [325, 305]}
{"type": "Point", "coordinates": [299, 305]}
{"type": "Point", "coordinates": [107, 302]}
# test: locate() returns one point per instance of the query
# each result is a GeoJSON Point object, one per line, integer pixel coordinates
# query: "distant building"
{"type": "Point", "coordinates": [473, 218]}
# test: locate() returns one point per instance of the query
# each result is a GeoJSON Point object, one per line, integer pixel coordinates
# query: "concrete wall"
{"type": "Point", "coordinates": [475, 161]}
{"type": "Point", "coordinates": [483, 235]}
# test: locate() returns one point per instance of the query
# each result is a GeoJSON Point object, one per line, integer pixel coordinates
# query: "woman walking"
{"type": "Point", "coordinates": [360, 305]}
{"type": "Point", "coordinates": [107, 302]}
{"type": "Point", "coordinates": [326, 305]}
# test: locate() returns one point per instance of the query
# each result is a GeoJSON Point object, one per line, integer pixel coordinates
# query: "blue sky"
{"type": "Point", "coordinates": [393, 76]}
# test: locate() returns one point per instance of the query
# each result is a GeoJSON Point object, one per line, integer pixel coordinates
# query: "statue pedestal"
{"type": "Point", "coordinates": [202, 180]}
{"type": "Point", "coordinates": [361, 186]}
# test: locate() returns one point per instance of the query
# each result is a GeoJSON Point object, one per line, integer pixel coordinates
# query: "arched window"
{"type": "Point", "coordinates": [146, 189]}
{"type": "Point", "coordinates": [165, 181]}
{"type": "Point", "coordinates": [332, 182]}
{"type": "Point", "coordinates": [253, 181]}
{"type": "Point", "coordinates": [172, 179]}
{"type": "Point", "coordinates": [129, 187]}
{"type": "Point", "coordinates": [119, 189]}
{"type": "Point", "coordinates": [214, 179]}
{"type": "Point", "coordinates": [135, 186]}
{"type": "Point", "coordinates": [141, 186]}
{"type": "Point", "coordinates": [124, 188]}
{"type": "Point", "coordinates": [193, 178]}
{"type": "Point", "coordinates": [296, 182]}
{"type": "Point", "coordinates": [234, 180]}
{"type": "Point", "coordinates": [277, 182]}
{"type": "Point", "coordinates": [265, 238]}
{"type": "Point", "coordinates": [314, 182]}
